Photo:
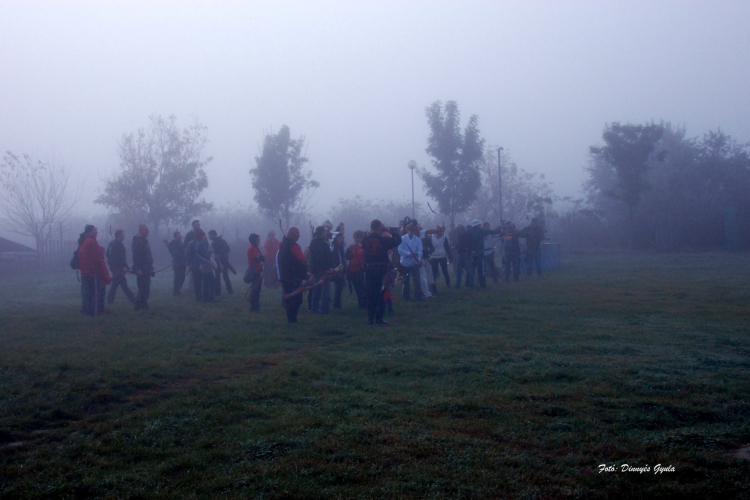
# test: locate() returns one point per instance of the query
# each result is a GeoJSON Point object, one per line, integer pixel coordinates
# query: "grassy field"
{"type": "Point", "coordinates": [519, 391]}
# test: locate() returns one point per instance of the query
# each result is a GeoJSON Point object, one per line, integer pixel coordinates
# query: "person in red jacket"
{"type": "Point", "coordinates": [94, 273]}
{"type": "Point", "coordinates": [254, 273]}
{"type": "Point", "coordinates": [356, 271]}
{"type": "Point", "coordinates": [270, 248]}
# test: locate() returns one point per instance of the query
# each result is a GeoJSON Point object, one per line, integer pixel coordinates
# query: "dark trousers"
{"type": "Point", "coordinates": [512, 260]}
{"type": "Point", "coordinates": [490, 267]}
{"type": "Point", "coordinates": [463, 264]}
{"type": "Point", "coordinates": [144, 290]}
{"type": "Point", "coordinates": [321, 299]}
{"type": "Point", "coordinates": [443, 264]}
{"type": "Point", "coordinates": [223, 270]}
{"type": "Point", "coordinates": [292, 304]}
{"type": "Point", "coordinates": [413, 274]}
{"type": "Point", "coordinates": [179, 278]}
{"type": "Point", "coordinates": [374, 291]}
{"type": "Point", "coordinates": [531, 256]}
{"type": "Point", "coordinates": [357, 280]}
{"type": "Point", "coordinates": [477, 265]}
{"type": "Point", "coordinates": [197, 282]}
{"type": "Point", "coordinates": [338, 288]}
{"type": "Point", "coordinates": [119, 280]}
{"type": "Point", "coordinates": [92, 295]}
{"type": "Point", "coordinates": [254, 292]}
{"type": "Point", "coordinates": [208, 287]}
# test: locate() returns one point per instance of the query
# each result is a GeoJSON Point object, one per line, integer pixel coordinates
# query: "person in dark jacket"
{"type": "Point", "coordinates": [118, 265]}
{"type": "Point", "coordinates": [197, 280]}
{"type": "Point", "coordinates": [339, 259]}
{"type": "Point", "coordinates": [534, 236]}
{"type": "Point", "coordinates": [321, 265]}
{"type": "Point", "coordinates": [375, 246]}
{"type": "Point", "coordinates": [221, 255]}
{"type": "Point", "coordinates": [203, 258]}
{"type": "Point", "coordinates": [143, 266]}
{"type": "Point", "coordinates": [477, 235]}
{"type": "Point", "coordinates": [177, 251]}
{"type": "Point", "coordinates": [254, 272]}
{"type": "Point", "coordinates": [94, 274]}
{"type": "Point", "coordinates": [292, 272]}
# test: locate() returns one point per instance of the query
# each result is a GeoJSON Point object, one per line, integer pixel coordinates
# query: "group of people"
{"type": "Point", "coordinates": [95, 272]}
{"type": "Point", "coordinates": [371, 265]}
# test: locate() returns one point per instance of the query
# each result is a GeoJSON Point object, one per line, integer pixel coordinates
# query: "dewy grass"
{"type": "Point", "coordinates": [519, 391]}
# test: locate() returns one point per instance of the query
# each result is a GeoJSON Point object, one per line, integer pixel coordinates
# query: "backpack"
{"type": "Point", "coordinates": [74, 260]}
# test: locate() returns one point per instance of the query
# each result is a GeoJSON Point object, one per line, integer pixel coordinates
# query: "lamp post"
{"type": "Point", "coordinates": [412, 165]}
{"type": "Point", "coordinates": [499, 186]}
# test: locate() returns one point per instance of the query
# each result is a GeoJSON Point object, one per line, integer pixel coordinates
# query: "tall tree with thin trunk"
{"type": "Point", "coordinates": [456, 157]}
{"type": "Point", "coordinates": [283, 186]}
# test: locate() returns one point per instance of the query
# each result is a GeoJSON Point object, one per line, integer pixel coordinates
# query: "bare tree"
{"type": "Point", "coordinates": [35, 197]}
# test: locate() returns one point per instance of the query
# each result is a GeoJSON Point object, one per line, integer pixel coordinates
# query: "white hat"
{"type": "Point", "coordinates": [476, 222]}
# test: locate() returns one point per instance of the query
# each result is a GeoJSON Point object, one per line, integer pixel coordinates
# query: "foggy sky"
{"type": "Point", "coordinates": [354, 77]}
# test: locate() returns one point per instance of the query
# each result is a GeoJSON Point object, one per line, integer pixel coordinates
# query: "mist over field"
{"type": "Point", "coordinates": [354, 79]}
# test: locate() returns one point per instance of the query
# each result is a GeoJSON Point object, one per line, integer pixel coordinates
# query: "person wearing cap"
{"type": "Point", "coordinates": [410, 251]}
{"type": "Point", "coordinates": [477, 235]}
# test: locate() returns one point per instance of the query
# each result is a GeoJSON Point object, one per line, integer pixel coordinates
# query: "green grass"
{"type": "Point", "coordinates": [519, 391]}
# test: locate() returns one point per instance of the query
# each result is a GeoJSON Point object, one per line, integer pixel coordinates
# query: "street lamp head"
{"type": "Point", "coordinates": [412, 164]}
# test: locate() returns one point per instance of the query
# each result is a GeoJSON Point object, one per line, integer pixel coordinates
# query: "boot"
{"type": "Point", "coordinates": [433, 289]}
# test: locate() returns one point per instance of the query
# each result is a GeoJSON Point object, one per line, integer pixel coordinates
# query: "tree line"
{"type": "Point", "coordinates": [648, 187]}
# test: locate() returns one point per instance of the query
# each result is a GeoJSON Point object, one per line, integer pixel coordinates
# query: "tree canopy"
{"type": "Point", "coordinates": [628, 152]}
{"type": "Point", "coordinates": [457, 158]}
{"type": "Point", "coordinates": [283, 186]}
{"type": "Point", "coordinates": [161, 173]}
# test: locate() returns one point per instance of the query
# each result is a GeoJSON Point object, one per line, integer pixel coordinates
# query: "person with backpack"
{"type": "Point", "coordinates": [94, 273]}
{"type": "Point", "coordinates": [118, 265]}
{"type": "Point", "coordinates": [356, 272]}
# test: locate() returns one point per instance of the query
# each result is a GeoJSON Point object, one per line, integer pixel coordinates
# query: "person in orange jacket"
{"type": "Point", "coordinates": [94, 273]}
